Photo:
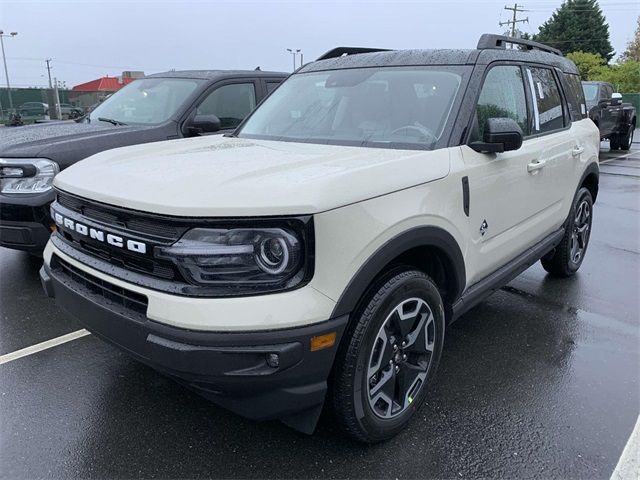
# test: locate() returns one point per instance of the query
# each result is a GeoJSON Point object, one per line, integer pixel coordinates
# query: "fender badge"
{"type": "Point", "coordinates": [484, 227]}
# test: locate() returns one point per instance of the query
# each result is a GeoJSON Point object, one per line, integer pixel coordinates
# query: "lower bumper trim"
{"type": "Point", "coordinates": [229, 368]}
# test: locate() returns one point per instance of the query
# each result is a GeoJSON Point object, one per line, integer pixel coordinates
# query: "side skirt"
{"type": "Point", "coordinates": [488, 285]}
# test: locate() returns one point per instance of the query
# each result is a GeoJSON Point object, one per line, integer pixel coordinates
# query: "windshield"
{"type": "Point", "coordinates": [364, 106]}
{"type": "Point", "coordinates": [146, 101]}
{"type": "Point", "coordinates": [590, 92]}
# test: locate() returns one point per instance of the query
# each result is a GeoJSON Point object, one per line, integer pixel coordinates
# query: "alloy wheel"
{"type": "Point", "coordinates": [400, 358]}
{"type": "Point", "coordinates": [581, 230]}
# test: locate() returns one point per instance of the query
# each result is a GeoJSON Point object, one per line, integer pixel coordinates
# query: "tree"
{"type": "Point", "coordinates": [633, 47]}
{"type": "Point", "coordinates": [625, 76]}
{"type": "Point", "coordinates": [589, 64]}
{"type": "Point", "coordinates": [578, 25]}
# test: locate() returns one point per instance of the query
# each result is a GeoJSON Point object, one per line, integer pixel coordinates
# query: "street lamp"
{"type": "Point", "coordinates": [294, 53]}
{"type": "Point", "coordinates": [4, 59]}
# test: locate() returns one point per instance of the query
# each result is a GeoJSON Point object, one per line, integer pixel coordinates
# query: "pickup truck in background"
{"type": "Point", "coordinates": [615, 120]}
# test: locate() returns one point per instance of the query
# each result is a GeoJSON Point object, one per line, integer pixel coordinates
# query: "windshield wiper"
{"type": "Point", "coordinates": [111, 121]}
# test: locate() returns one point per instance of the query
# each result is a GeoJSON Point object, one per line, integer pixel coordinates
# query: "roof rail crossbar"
{"type": "Point", "coordinates": [341, 51]}
{"type": "Point", "coordinates": [489, 40]}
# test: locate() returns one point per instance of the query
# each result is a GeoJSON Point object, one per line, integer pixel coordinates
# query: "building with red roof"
{"type": "Point", "coordinates": [103, 84]}
{"type": "Point", "coordinates": [90, 93]}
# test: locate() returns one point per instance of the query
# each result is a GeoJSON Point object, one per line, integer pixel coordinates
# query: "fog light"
{"type": "Point", "coordinates": [273, 360]}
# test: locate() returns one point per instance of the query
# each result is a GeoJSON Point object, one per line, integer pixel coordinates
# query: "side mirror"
{"type": "Point", "coordinates": [203, 124]}
{"type": "Point", "coordinates": [616, 98]}
{"type": "Point", "coordinates": [500, 135]}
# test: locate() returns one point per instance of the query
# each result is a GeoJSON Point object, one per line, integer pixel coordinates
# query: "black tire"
{"type": "Point", "coordinates": [563, 260]}
{"type": "Point", "coordinates": [614, 142]}
{"type": "Point", "coordinates": [362, 341]}
{"type": "Point", "coordinates": [627, 139]}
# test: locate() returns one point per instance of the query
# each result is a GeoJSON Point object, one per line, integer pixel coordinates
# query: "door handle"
{"type": "Point", "coordinates": [535, 165]}
{"type": "Point", "coordinates": [577, 151]}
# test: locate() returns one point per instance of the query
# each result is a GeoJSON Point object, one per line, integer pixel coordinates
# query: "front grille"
{"type": "Point", "coordinates": [145, 224]}
{"type": "Point", "coordinates": [107, 291]}
{"type": "Point", "coordinates": [152, 229]}
{"type": "Point", "coordinates": [149, 266]}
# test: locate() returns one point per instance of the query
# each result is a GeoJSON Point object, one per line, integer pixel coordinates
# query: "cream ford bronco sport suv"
{"type": "Point", "coordinates": [318, 253]}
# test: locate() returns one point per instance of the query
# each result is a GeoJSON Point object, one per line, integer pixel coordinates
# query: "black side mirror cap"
{"type": "Point", "coordinates": [203, 124]}
{"type": "Point", "coordinates": [500, 135]}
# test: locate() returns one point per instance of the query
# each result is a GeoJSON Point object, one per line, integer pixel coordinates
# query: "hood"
{"type": "Point", "coordinates": [224, 177]}
{"type": "Point", "coordinates": [65, 142]}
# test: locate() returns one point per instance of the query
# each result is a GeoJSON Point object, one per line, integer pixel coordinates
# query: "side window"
{"type": "Point", "coordinates": [271, 86]}
{"type": "Point", "coordinates": [575, 97]}
{"type": "Point", "coordinates": [548, 114]}
{"type": "Point", "coordinates": [502, 95]}
{"type": "Point", "coordinates": [605, 92]}
{"type": "Point", "coordinates": [230, 103]}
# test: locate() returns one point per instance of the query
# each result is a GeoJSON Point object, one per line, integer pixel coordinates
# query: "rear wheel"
{"type": "Point", "coordinates": [627, 139]}
{"type": "Point", "coordinates": [567, 257]}
{"type": "Point", "coordinates": [390, 353]}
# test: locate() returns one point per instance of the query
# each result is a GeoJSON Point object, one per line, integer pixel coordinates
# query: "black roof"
{"type": "Point", "coordinates": [491, 49]}
{"type": "Point", "coordinates": [216, 74]}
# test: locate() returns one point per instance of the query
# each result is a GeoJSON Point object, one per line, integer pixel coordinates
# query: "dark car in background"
{"type": "Point", "coordinates": [159, 107]}
{"type": "Point", "coordinates": [33, 109]}
{"type": "Point", "coordinates": [615, 120]}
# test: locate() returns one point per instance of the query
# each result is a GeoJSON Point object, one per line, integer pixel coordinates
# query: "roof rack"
{"type": "Point", "coordinates": [489, 40]}
{"type": "Point", "coordinates": [342, 51]}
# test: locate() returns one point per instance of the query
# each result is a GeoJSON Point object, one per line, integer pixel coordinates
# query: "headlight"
{"type": "Point", "coordinates": [240, 260]}
{"type": "Point", "coordinates": [27, 175]}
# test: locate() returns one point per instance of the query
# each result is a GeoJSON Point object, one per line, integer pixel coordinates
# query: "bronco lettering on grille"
{"type": "Point", "coordinates": [100, 235]}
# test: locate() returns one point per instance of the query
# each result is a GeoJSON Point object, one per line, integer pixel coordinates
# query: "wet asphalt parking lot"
{"type": "Point", "coordinates": [540, 380]}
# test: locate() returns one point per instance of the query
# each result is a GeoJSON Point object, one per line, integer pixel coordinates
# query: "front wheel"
{"type": "Point", "coordinates": [390, 354]}
{"type": "Point", "coordinates": [614, 142]}
{"type": "Point", "coordinates": [627, 139]}
{"type": "Point", "coordinates": [567, 257]}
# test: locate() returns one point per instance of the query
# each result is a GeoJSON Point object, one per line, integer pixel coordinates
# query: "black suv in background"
{"type": "Point", "coordinates": [159, 107]}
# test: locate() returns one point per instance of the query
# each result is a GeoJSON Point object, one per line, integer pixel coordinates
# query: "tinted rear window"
{"type": "Point", "coordinates": [575, 97]}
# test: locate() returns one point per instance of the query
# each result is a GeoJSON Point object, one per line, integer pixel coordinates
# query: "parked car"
{"type": "Point", "coordinates": [159, 107]}
{"type": "Point", "coordinates": [33, 109]}
{"type": "Point", "coordinates": [70, 111]}
{"type": "Point", "coordinates": [319, 251]}
{"type": "Point", "coordinates": [615, 120]}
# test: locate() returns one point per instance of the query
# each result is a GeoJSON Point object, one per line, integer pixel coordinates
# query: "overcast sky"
{"type": "Point", "coordinates": [90, 38]}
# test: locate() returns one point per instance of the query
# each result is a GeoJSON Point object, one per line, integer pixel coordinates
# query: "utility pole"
{"type": "Point", "coordinates": [4, 59]}
{"type": "Point", "coordinates": [515, 9]}
{"type": "Point", "coordinates": [56, 98]}
{"type": "Point", "coordinates": [48, 60]}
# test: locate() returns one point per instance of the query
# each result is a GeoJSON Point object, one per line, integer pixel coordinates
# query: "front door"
{"type": "Point", "coordinates": [498, 194]}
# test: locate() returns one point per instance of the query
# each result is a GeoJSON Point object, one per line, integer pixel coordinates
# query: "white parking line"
{"type": "Point", "coordinates": [628, 467]}
{"type": "Point", "coordinates": [54, 342]}
{"type": "Point", "coordinates": [617, 158]}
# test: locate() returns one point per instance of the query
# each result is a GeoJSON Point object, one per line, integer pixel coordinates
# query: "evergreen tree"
{"type": "Point", "coordinates": [578, 25]}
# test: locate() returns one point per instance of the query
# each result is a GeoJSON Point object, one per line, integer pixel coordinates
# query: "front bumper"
{"type": "Point", "coordinates": [229, 368]}
{"type": "Point", "coordinates": [25, 222]}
